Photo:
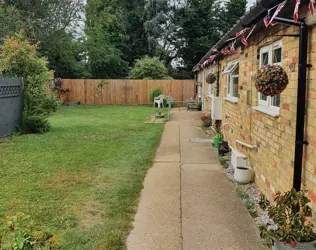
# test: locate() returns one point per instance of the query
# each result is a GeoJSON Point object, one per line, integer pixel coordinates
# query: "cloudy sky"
{"type": "Point", "coordinates": [250, 3]}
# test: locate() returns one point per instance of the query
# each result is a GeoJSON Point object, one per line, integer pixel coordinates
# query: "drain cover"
{"type": "Point", "coordinates": [201, 140]}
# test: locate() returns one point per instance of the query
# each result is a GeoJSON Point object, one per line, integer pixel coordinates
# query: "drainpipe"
{"type": "Point", "coordinates": [301, 98]}
{"type": "Point", "coordinates": [218, 123]}
{"type": "Point", "coordinates": [218, 76]}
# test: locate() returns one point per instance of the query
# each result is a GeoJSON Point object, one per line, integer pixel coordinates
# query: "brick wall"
{"type": "Point", "coordinates": [273, 160]}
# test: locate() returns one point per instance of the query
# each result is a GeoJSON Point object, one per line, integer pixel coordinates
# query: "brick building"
{"type": "Point", "coordinates": [262, 128]}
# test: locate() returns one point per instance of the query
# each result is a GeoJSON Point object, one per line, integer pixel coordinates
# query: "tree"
{"type": "Point", "coordinates": [104, 56]}
{"type": "Point", "coordinates": [149, 68]}
{"type": "Point", "coordinates": [54, 24]}
{"type": "Point", "coordinates": [19, 58]}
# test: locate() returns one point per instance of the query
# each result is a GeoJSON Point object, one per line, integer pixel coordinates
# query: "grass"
{"type": "Point", "coordinates": [82, 180]}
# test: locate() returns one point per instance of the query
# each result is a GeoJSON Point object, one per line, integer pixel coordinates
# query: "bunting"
{"type": "Point", "coordinates": [311, 6]}
{"type": "Point", "coordinates": [295, 15]}
{"type": "Point", "coordinates": [212, 58]}
{"type": "Point", "coordinates": [241, 32]}
{"type": "Point", "coordinates": [232, 48]}
{"type": "Point", "coordinates": [277, 11]}
{"type": "Point", "coordinates": [244, 41]}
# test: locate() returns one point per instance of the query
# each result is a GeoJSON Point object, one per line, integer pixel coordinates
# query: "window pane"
{"type": "Point", "coordinates": [235, 86]}
{"type": "Point", "coordinates": [275, 101]}
{"type": "Point", "coordinates": [210, 88]}
{"type": "Point", "coordinates": [277, 55]}
{"type": "Point", "coordinates": [228, 84]}
{"type": "Point", "coordinates": [263, 97]}
{"type": "Point", "coordinates": [265, 58]}
{"type": "Point", "coordinates": [236, 71]}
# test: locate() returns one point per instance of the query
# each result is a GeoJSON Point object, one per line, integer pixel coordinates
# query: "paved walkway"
{"type": "Point", "coordinates": [188, 202]}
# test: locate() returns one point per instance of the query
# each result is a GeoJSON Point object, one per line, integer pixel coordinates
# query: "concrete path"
{"type": "Point", "coordinates": [188, 202]}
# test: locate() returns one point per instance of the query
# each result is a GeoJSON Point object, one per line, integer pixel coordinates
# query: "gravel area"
{"type": "Point", "coordinates": [254, 194]}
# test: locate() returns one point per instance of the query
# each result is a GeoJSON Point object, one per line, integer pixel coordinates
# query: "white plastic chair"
{"type": "Point", "coordinates": [159, 101]}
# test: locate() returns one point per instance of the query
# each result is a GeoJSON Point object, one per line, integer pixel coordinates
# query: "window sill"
{"type": "Point", "coordinates": [231, 99]}
{"type": "Point", "coordinates": [267, 111]}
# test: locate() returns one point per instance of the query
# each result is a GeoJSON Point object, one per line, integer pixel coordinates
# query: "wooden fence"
{"type": "Point", "coordinates": [126, 92]}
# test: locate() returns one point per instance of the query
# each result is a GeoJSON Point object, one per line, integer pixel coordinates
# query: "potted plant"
{"type": "Point", "coordinates": [210, 78]}
{"type": "Point", "coordinates": [292, 228]}
{"type": "Point", "coordinates": [271, 80]}
{"type": "Point", "coordinates": [206, 120]}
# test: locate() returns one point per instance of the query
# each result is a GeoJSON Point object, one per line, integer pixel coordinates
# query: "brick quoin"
{"type": "Point", "coordinates": [312, 196]}
{"type": "Point", "coordinates": [268, 183]}
{"type": "Point", "coordinates": [286, 106]}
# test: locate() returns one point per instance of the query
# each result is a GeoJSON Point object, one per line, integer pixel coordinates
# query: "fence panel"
{"type": "Point", "coordinates": [125, 91]}
{"type": "Point", "coordinates": [11, 105]}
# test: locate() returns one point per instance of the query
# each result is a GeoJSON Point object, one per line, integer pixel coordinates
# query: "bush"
{"type": "Point", "coordinates": [16, 233]}
{"type": "Point", "coordinates": [18, 58]}
{"type": "Point", "coordinates": [155, 92]}
{"type": "Point", "coordinates": [149, 68]}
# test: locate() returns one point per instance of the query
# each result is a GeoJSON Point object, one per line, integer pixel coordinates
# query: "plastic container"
{"type": "Point", "coordinates": [217, 138]}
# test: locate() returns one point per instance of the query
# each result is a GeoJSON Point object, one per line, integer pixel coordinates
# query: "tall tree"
{"type": "Point", "coordinates": [203, 24]}
{"type": "Point", "coordinates": [54, 24]}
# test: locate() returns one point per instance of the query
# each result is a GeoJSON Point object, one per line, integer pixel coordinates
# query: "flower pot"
{"type": "Point", "coordinates": [206, 123]}
{"type": "Point", "coordinates": [243, 175]}
{"type": "Point", "coordinates": [299, 246]}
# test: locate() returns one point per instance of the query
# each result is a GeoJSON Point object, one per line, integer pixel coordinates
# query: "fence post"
{"type": "Point", "coordinates": [85, 91]}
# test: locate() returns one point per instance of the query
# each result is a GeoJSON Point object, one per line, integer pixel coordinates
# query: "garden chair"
{"type": "Point", "coordinates": [159, 100]}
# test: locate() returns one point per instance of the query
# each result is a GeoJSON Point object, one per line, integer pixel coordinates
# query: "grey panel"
{"type": "Point", "coordinates": [11, 105]}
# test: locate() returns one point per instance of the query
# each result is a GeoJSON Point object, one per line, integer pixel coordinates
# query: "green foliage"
{"type": "Point", "coordinates": [53, 24]}
{"type": "Point", "coordinates": [16, 233]}
{"type": "Point", "coordinates": [149, 68]}
{"type": "Point", "coordinates": [75, 180]}
{"type": "Point", "coordinates": [18, 58]}
{"type": "Point", "coordinates": [155, 92]}
{"type": "Point", "coordinates": [250, 205]}
{"type": "Point", "coordinates": [263, 203]}
{"type": "Point", "coordinates": [223, 161]}
{"type": "Point", "coordinates": [291, 215]}
{"type": "Point", "coordinates": [241, 193]}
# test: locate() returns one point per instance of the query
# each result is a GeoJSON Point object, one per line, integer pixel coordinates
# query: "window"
{"type": "Point", "coordinates": [232, 71]}
{"type": "Point", "coordinates": [271, 54]}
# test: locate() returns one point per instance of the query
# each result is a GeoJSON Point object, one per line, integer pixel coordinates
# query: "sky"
{"type": "Point", "coordinates": [250, 3]}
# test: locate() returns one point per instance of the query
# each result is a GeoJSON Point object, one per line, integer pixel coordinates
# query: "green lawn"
{"type": "Point", "coordinates": [82, 180]}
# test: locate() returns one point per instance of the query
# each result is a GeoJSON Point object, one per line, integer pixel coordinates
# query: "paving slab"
{"type": "Point", "coordinates": [188, 202]}
{"type": "Point", "coordinates": [213, 217]}
{"type": "Point", "coordinates": [157, 223]}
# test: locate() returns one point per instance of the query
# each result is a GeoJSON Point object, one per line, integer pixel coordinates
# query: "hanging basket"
{"type": "Point", "coordinates": [271, 80]}
{"type": "Point", "coordinates": [211, 78]}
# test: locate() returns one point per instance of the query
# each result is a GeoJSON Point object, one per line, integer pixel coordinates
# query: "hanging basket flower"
{"type": "Point", "coordinates": [271, 80]}
{"type": "Point", "coordinates": [210, 78]}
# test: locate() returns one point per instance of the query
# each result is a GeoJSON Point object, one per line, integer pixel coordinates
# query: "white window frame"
{"type": "Point", "coordinates": [230, 68]}
{"type": "Point", "coordinates": [269, 49]}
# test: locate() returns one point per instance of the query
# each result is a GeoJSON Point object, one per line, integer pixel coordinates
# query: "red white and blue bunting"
{"type": "Point", "coordinates": [243, 36]}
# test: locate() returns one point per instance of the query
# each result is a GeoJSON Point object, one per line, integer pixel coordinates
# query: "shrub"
{"type": "Point", "coordinates": [16, 233]}
{"type": "Point", "coordinates": [155, 92]}
{"type": "Point", "coordinates": [18, 58]}
{"type": "Point", "coordinates": [149, 68]}
{"type": "Point", "coordinates": [292, 219]}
